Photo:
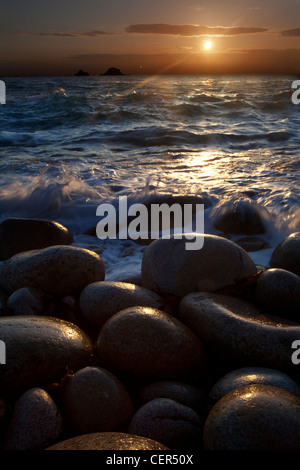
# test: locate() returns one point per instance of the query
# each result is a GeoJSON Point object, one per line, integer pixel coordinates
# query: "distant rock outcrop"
{"type": "Point", "coordinates": [81, 73]}
{"type": "Point", "coordinates": [113, 71]}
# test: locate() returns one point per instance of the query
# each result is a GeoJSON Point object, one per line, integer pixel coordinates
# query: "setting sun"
{"type": "Point", "coordinates": [208, 45]}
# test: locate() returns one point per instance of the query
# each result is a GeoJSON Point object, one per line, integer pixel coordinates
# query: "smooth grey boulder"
{"type": "Point", "coordinates": [100, 300]}
{"type": "Point", "coordinates": [168, 267]}
{"type": "Point", "coordinates": [59, 270]}
{"type": "Point", "coordinates": [107, 441]}
{"type": "Point", "coordinates": [278, 290]}
{"type": "Point", "coordinates": [254, 417]}
{"type": "Point", "coordinates": [36, 422]}
{"type": "Point", "coordinates": [238, 331]}
{"type": "Point", "coordinates": [253, 376]}
{"type": "Point", "coordinates": [287, 254]}
{"type": "Point", "coordinates": [96, 401]}
{"type": "Point", "coordinates": [169, 422]}
{"type": "Point", "coordinates": [20, 234]}
{"type": "Point", "coordinates": [40, 350]}
{"type": "Point", "coordinates": [149, 343]}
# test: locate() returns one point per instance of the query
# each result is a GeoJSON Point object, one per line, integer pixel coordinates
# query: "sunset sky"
{"type": "Point", "coordinates": [157, 36]}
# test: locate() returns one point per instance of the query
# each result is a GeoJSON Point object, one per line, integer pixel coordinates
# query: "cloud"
{"type": "Point", "coordinates": [191, 30]}
{"type": "Point", "coordinates": [67, 34]}
{"type": "Point", "coordinates": [291, 32]}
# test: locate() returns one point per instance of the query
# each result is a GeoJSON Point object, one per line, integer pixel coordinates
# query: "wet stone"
{"type": "Point", "coordinates": [147, 342]}
{"type": "Point", "coordinates": [242, 217]}
{"type": "Point", "coordinates": [58, 270]}
{"type": "Point", "coordinates": [96, 401]}
{"type": "Point", "coordinates": [36, 422]}
{"type": "Point", "coordinates": [20, 234]}
{"type": "Point", "coordinates": [287, 254]}
{"type": "Point", "coordinates": [238, 331]}
{"type": "Point", "coordinates": [168, 267]}
{"type": "Point", "coordinates": [39, 350]}
{"type": "Point", "coordinates": [101, 300]}
{"type": "Point", "coordinates": [168, 422]}
{"type": "Point", "coordinates": [108, 441]}
{"type": "Point", "coordinates": [254, 417]}
{"type": "Point", "coordinates": [253, 376]}
{"type": "Point", "coordinates": [278, 290]}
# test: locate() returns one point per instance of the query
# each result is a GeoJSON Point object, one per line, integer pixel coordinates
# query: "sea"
{"type": "Point", "coordinates": [70, 144]}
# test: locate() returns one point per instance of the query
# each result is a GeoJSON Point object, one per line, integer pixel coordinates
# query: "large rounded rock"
{"type": "Point", "coordinates": [169, 267]}
{"type": "Point", "coordinates": [39, 350]}
{"type": "Point", "coordinates": [96, 401]}
{"type": "Point", "coordinates": [254, 417]}
{"type": "Point", "coordinates": [150, 343]}
{"type": "Point", "coordinates": [278, 291]}
{"type": "Point", "coordinates": [236, 330]}
{"type": "Point", "coordinates": [17, 235]}
{"type": "Point", "coordinates": [243, 217]}
{"type": "Point", "coordinates": [100, 300]}
{"type": "Point", "coordinates": [168, 422]}
{"type": "Point", "coordinates": [287, 254]}
{"type": "Point", "coordinates": [108, 441]}
{"type": "Point", "coordinates": [253, 376]}
{"type": "Point", "coordinates": [36, 422]}
{"type": "Point", "coordinates": [58, 270]}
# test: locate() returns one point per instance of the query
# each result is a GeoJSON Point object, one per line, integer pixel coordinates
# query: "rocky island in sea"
{"type": "Point", "coordinates": [81, 73]}
{"type": "Point", "coordinates": [113, 71]}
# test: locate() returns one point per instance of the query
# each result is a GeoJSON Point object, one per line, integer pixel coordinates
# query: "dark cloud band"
{"type": "Point", "coordinates": [191, 30]}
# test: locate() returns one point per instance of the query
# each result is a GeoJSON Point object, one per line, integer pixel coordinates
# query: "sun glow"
{"type": "Point", "coordinates": [207, 45]}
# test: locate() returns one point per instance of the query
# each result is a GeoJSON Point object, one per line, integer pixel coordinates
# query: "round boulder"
{"type": "Point", "coordinates": [96, 401]}
{"type": "Point", "coordinates": [39, 350]}
{"type": "Point", "coordinates": [36, 422]}
{"type": "Point", "coordinates": [243, 217]}
{"type": "Point", "coordinates": [18, 234]}
{"type": "Point", "coordinates": [253, 376]}
{"type": "Point", "coordinates": [168, 422]}
{"type": "Point", "coordinates": [59, 270]}
{"type": "Point", "coordinates": [100, 300]}
{"type": "Point", "coordinates": [254, 417]}
{"type": "Point", "coordinates": [287, 254]}
{"type": "Point", "coordinates": [278, 291]}
{"type": "Point", "coordinates": [108, 441]}
{"type": "Point", "coordinates": [169, 267]}
{"type": "Point", "coordinates": [149, 343]}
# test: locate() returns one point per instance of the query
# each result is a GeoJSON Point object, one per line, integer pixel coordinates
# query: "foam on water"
{"type": "Point", "coordinates": [70, 144]}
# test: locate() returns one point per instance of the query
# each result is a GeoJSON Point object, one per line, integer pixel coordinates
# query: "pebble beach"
{"type": "Point", "coordinates": [143, 344]}
{"type": "Point", "coordinates": [199, 353]}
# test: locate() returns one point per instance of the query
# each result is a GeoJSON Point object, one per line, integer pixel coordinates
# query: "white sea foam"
{"type": "Point", "coordinates": [68, 145]}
